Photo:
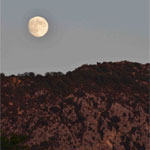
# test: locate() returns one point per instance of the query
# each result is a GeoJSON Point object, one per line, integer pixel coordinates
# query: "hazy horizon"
{"type": "Point", "coordinates": [81, 32]}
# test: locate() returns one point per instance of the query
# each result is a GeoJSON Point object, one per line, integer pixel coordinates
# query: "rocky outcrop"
{"type": "Point", "coordinates": [95, 107]}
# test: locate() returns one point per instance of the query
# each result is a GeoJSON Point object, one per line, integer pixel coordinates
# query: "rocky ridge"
{"type": "Point", "coordinates": [98, 107]}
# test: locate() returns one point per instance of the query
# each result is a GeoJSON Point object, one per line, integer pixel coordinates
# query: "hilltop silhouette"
{"type": "Point", "coordinates": [95, 107]}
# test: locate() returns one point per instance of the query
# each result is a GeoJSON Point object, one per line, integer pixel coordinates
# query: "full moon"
{"type": "Point", "coordinates": [38, 26]}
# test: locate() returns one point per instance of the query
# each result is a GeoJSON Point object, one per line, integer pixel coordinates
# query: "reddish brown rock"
{"type": "Point", "coordinates": [95, 107]}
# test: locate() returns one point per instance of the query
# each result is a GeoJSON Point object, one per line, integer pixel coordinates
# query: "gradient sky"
{"type": "Point", "coordinates": [81, 32]}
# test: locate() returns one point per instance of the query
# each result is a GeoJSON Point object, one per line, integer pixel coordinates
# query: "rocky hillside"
{"type": "Point", "coordinates": [95, 107]}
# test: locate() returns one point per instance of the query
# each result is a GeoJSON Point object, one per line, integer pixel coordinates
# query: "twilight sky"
{"type": "Point", "coordinates": [81, 32]}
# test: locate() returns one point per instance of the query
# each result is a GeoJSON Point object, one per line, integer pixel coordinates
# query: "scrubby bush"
{"type": "Point", "coordinates": [14, 142]}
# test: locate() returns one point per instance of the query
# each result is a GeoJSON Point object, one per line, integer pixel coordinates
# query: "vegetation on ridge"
{"type": "Point", "coordinates": [14, 142]}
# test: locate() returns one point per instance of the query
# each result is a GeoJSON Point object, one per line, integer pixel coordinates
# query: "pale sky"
{"type": "Point", "coordinates": [80, 32]}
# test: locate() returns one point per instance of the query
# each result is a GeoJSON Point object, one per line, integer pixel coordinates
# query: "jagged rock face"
{"type": "Point", "coordinates": [95, 107]}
